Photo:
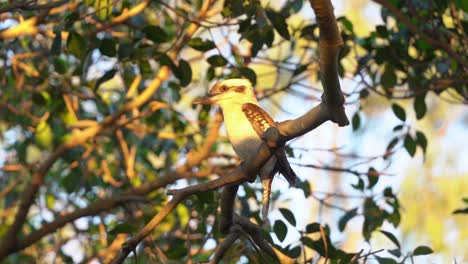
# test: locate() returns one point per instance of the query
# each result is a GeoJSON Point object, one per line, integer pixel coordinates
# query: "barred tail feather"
{"type": "Point", "coordinates": [266, 184]}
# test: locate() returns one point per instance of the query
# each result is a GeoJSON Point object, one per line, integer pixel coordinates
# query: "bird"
{"type": "Point", "coordinates": [245, 122]}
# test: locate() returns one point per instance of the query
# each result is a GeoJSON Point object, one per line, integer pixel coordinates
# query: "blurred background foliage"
{"type": "Point", "coordinates": [390, 188]}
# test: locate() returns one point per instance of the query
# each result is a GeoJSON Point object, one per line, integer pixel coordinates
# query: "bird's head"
{"type": "Point", "coordinates": [229, 92]}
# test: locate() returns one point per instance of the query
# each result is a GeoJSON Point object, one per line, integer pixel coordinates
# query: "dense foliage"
{"type": "Point", "coordinates": [97, 122]}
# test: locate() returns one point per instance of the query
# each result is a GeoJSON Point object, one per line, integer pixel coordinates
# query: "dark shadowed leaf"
{"type": "Point", "coordinates": [107, 76]}
{"type": "Point", "coordinates": [249, 74]}
{"type": "Point", "coordinates": [217, 61]}
{"type": "Point", "coordinates": [391, 237]}
{"type": "Point", "coordinates": [107, 47]}
{"type": "Point", "coordinates": [345, 218]}
{"type": "Point", "coordinates": [420, 106]}
{"type": "Point", "coordinates": [279, 23]}
{"type": "Point", "coordinates": [381, 260]}
{"type": "Point", "coordinates": [125, 50]}
{"type": "Point", "coordinates": [422, 250]}
{"type": "Point", "coordinates": [395, 252]}
{"type": "Point", "coordinates": [312, 228]}
{"type": "Point", "coordinates": [183, 72]}
{"type": "Point", "coordinates": [356, 121]}
{"type": "Point", "coordinates": [295, 252]}
{"type": "Point", "coordinates": [288, 215]}
{"type": "Point", "coordinates": [388, 78]}
{"type": "Point", "coordinates": [201, 45]}
{"type": "Point", "coordinates": [123, 228]}
{"type": "Point", "coordinates": [57, 43]}
{"type": "Point", "coordinates": [381, 31]}
{"type": "Point", "coordinates": [410, 145]}
{"type": "Point", "coordinates": [156, 34]}
{"type": "Point", "coordinates": [421, 140]}
{"type": "Point", "coordinates": [461, 211]}
{"type": "Point", "coordinates": [399, 112]}
{"type": "Point", "coordinates": [280, 229]}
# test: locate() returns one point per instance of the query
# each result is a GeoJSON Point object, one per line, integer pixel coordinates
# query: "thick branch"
{"type": "Point", "coordinates": [329, 43]}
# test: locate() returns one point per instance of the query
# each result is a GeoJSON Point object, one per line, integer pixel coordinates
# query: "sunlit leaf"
{"type": "Point", "coordinates": [76, 44]}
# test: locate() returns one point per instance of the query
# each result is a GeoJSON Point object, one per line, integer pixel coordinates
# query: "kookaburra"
{"type": "Point", "coordinates": [245, 123]}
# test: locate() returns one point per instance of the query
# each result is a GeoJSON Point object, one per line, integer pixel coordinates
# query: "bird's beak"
{"type": "Point", "coordinates": [203, 100]}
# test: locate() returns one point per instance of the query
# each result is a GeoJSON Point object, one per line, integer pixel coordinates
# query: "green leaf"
{"type": "Point", "coordinates": [280, 230]}
{"type": "Point", "coordinates": [183, 72]}
{"type": "Point", "coordinates": [39, 99]}
{"type": "Point", "coordinates": [76, 45]}
{"type": "Point", "coordinates": [345, 218]}
{"type": "Point", "coordinates": [307, 241]}
{"type": "Point", "coordinates": [217, 61]}
{"type": "Point", "coordinates": [381, 31]}
{"type": "Point", "coordinates": [233, 8]}
{"type": "Point", "coordinates": [104, 78]}
{"type": "Point", "coordinates": [288, 215]}
{"type": "Point", "coordinates": [155, 34]}
{"type": "Point", "coordinates": [57, 43]}
{"type": "Point", "coordinates": [356, 121]}
{"type": "Point", "coordinates": [420, 106]}
{"type": "Point", "coordinates": [399, 112]}
{"type": "Point", "coordinates": [294, 252]}
{"type": "Point", "coordinates": [346, 23]}
{"type": "Point", "coordinates": [421, 140]}
{"type": "Point", "coordinates": [60, 65]}
{"type": "Point", "coordinates": [381, 260]}
{"type": "Point", "coordinates": [125, 50]}
{"type": "Point", "coordinates": [307, 32]}
{"type": "Point", "coordinates": [398, 127]}
{"type": "Point", "coordinates": [279, 23]}
{"type": "Point", "coordinates": [395, 252]}
{"type": "Point", "coordinates": [43, 135]}
{"type": "Point", "coordinates": [410, 145]}
{"type": "Point", "coordinates": [462, 4]}
{"type": "Point", "coordinates": [312, 228]}
{"type": "Point", "coordinates": [359, 185]}
{"type": "Point", "coordinates": [201, 45]}
{"type": "Point", "coordinates": [372, 177]}
{"type": "Point", "coordinates": [373, 218]}
{"type": "Point", "coordinates": [300, 69]}
{"type": "Point", "coordinates": [108, 47]}
{"type": "Point", "coordinates": [50, 201]}
{"type": "Point", "coordinates": [422, 250]}
{"type": "Point", "coordinates": [461, 211]}
{"type": "Point", "coordinates": [249, 74]}
{"type": "Point", "coordinates": [391, 237]}
{"type": "Point", "coordinates": [122, 228]}
{"type": "Point", "coordinates": [388, 78]}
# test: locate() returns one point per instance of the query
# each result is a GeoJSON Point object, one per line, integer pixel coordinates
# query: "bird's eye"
{"type": "Point", "coordinates": [224, 88]}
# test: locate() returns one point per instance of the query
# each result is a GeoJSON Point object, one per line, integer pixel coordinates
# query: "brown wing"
{"type": "Point", "coordinates": [259, 119]}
